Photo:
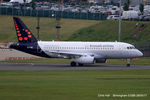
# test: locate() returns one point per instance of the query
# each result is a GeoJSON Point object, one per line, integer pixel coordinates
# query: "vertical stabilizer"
{"type": "Point", "coordinates": [23, 33]}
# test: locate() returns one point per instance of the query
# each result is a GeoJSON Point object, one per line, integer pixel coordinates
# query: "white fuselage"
{"type": "Point", "coordinates": [104, 50]}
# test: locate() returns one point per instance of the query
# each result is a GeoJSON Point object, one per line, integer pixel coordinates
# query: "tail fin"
{"type": "Point", "coordinates": [23, 33]}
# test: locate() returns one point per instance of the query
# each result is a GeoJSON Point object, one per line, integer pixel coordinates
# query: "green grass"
{"type": "Point", "coordinates": [73, 85]}
{"type": "Point", "coordinates": [40, 60]}
{"type": "Point", "coordinates": [108, 31]}
{"type": "Point", "coordinates": [47, 27]}
{"type": "Point", "coordinates": [77, 30]}
{"type": "Point", "coordinates": [140, 61]}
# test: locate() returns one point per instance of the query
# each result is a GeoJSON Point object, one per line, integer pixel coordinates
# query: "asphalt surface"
{"type": "Point", "coordinates": [39, 66]}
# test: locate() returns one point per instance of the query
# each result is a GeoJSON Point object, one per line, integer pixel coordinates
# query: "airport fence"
{"type": "Point", "coordinates": [51, 13]}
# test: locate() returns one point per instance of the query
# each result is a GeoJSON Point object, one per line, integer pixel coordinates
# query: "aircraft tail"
{"type": "Point", "coordinates": [23, 33]}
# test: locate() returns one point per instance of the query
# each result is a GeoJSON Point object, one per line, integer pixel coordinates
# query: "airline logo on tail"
{"type": "Point", "coordinates": [23, 33]}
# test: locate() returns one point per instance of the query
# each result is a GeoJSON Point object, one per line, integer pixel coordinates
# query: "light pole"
{"type": "Point", "coordinates": [119, 31]}
{"type": "Point", "coordinates": [38, 21]}
{"type": "Point", "coordinates": [38, 27]}
{"type": "Point", "coordinates": [58, 28]}
{"type": "Point", "coordinates": [58, 22]}
{"type": "Point", "coordinates": [24, 6]}
{"type": "Point", "coordinates": [0, 7]}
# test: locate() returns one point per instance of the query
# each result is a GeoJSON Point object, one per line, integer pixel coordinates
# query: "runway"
{"type": "Point", "coordinates": [40, 66]}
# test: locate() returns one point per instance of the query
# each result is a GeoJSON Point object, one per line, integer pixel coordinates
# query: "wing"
{"type": "Point", "coordinates": [69, 55]}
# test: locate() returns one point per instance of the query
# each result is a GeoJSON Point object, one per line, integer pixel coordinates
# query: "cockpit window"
{"type": "Point", "coordinates": [131, 47]}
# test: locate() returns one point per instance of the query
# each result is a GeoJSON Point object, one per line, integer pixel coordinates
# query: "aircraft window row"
{"type": "Point", "coordinates": [78, 48]}
{"type": "Point", "coordinates": [130, 47]}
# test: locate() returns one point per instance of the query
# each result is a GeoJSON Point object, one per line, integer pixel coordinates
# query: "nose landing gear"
{"type": "Point", "coordinates": [128, 62]}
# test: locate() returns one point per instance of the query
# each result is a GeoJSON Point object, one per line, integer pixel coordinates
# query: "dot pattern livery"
{"type": "Point", "coordinates": [23, 33]}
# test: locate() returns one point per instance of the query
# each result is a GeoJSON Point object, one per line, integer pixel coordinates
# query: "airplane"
{"type": "Point", "coordinates": [80, 53]}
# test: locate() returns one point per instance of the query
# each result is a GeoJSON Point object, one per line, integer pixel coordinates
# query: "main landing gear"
{"type": "Point", "coordinates": [74, 64]}
{"type": "Point", "coordinates": [128, 62]}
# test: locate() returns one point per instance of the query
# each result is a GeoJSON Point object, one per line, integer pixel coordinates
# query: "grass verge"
{"type": "Point", "coordinates": [74, 85]}
{"type": "Point", "coordinates": [138, 61]}
{"type": "Point", "coordinates": [108, 31]}
{"type": "Point", "coordinates": [47, 27]}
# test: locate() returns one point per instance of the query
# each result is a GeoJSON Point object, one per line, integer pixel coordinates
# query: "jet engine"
{"type": "Point", "coordinates": [98, 60]}
{"type": "Point", "coordinates": [84, 60]}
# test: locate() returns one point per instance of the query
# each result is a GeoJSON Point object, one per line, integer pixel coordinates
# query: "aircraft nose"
{"type": "Point", "coordinates": [139, 53]}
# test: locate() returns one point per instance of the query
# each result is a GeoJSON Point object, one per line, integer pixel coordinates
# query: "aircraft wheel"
{"type": "Point", "coordinates": [128, 65]}
{"type": "Point", "coordinates": [80, 64]}
{"type": "Point", "coordinates": [73, 63]}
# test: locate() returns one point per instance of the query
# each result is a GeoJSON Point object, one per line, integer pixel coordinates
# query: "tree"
{"type": "Point", "coordinates": [126, 5]}
{"type": "Point", "coordinates": [33, 4]}
{"type": "Point", "coordinates": [128, 2]}
{"type": "Point", "coordinates": [141, 7]}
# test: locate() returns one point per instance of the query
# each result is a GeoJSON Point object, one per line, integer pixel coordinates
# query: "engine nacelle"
{"type": "Point", "coordinates": [84, 60]}
{"type": "Point", "coordinates": [100, 60]}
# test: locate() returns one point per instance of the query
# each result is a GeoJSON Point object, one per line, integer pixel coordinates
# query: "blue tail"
{"type": "Point", "coordinates": [23, 33]}
{"type": "Point", "coordinates": [26, 41]}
